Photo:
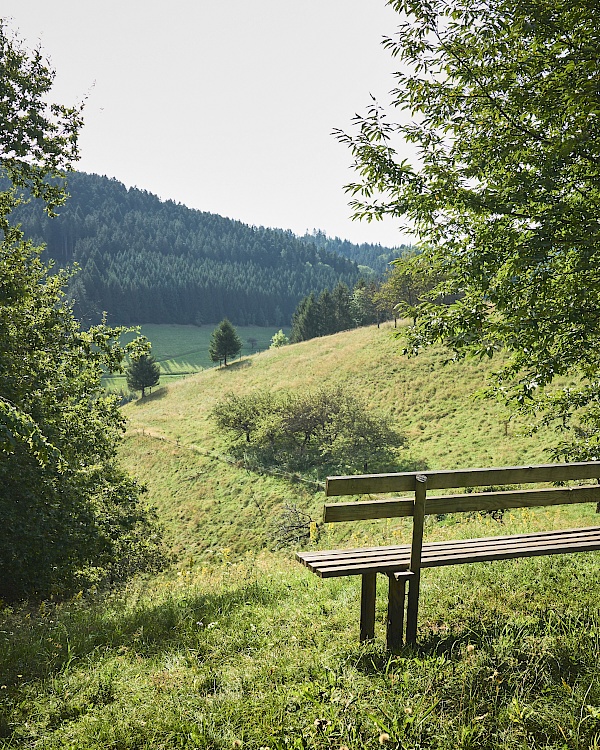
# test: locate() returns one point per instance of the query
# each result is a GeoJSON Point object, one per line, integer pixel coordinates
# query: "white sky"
{"type": "Point", "coordinates": [223, 105]}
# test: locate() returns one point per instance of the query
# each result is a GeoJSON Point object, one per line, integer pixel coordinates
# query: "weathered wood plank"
{"type": "Point", "coordinates": [483, 501]}
{"type": "Point", "coordinates": [437, 480]}
{"type": "Point", "coordinates": [463, 503]}
{"type": "Point", "coordinates": [342, 554]}
{"type": "Point", "coordinates": [336, 563]}
{"type": "Point", "coordinates": [500, 553]}
{"type": "Point", "coordinates": [390, 565]}
{"type": "Point", "coordinates": [412, 607]}
{"type": "Point", "coordinates": [367, 606]}
{"type": "Point", "coordinates": [336, 554]}
{"type": "Point", "coordinates": [395, 615]}
{"type": "Point", "coordinates": [361, 511]}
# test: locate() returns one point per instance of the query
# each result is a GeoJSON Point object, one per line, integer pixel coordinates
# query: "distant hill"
{"type": "Point", "coordinates": [375, 257]}
{"type": "Point", "coordinates": [144, 260]}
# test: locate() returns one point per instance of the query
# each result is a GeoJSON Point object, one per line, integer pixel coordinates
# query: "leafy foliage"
{"type": "Point", "coordinates": [505, 109]}
{"type": "Point", "coordinates": [406, 286]}
{"type": "Point", "coordinates": [70, 516]}
{"type": "Point", "coordinates": [327, 428]}
{"type": "Point", "coordinates": [37, 138]}
{"type": "Point", "coordinates": [143, 372]}
{"type": "Point", "coordinates": [279, 339]}
{"type": "Point", "coordinates": [224, 342]}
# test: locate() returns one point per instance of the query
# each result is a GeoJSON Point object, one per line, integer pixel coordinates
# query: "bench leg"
{"type": "Point", "coordinates": [367, 606]}
{"type": "Point", "coordinates": [395, 620]}
{"type": "Point", "coordinates": [412, 609]}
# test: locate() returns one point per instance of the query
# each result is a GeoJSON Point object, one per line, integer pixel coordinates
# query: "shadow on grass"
{"type": "Point", "coordinates": [562, 645]}
{"type": "Point", "coordinates": [240, 364]}
{"type": "Point", "coordinates": [44, 643]}
{"type": "Point", "coordinates": [156, 396]}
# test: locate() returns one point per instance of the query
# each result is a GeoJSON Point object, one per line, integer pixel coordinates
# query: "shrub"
{"type": "Point", "coordinates": [326, 428]}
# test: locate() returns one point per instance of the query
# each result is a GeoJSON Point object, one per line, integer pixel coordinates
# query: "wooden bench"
{"type": "Point", "coordinates": [403, 563]}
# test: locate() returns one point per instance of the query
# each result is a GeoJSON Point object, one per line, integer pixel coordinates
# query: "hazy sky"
{"type": "Point", "coordinates": [224, 105]}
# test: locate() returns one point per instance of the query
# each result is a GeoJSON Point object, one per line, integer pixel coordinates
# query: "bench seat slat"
{"type": "Point", "coordinates": [510, 553]}
{"type": "Point", "coordinates": [454, 544]}
{"type": "Point", "coordinates": [334, 563]}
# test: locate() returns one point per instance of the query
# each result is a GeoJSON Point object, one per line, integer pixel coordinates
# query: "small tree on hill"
{"type": "Point", "coordinates": [279, 339]}
{"type": "Point", "coordinates": [143, 372]}
{"type": "Point", "coordinates": [224, 342]}
{"type": "Point", "coordinates": [326, 428]}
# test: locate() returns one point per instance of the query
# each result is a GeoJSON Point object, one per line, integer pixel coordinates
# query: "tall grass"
{"type": "Point", "coordinates": [256, 652]}
{"type": "Point", "coordinates": [207, 502]}
{"type": "Point", "coordinates": [238, 646]}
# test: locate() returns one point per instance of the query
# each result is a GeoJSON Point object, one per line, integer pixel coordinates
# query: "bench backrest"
{"type": "Point", "coordinates": [420, 504]}
{"type": "Point", "coordinates": [420, 482]}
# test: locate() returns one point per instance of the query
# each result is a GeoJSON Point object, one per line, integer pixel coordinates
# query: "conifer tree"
{"type": "Point", "coordinates": [224, 342]}
{"type": "Point", "coordinates": [342, 309]}
{"type": "Point", "coordinates": [143, 372]}
{"type": "Point", "coordinates": [306, 321]}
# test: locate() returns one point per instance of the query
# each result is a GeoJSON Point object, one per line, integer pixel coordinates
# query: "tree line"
{"type": "Point", "coordinates": [143, 260]}
{"type": "Point", "coordinates": [407, 283]}
{"type": "Point", "coordinates": [71, 517]}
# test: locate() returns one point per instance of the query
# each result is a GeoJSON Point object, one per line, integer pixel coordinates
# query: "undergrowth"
{"type": "Point", "coordinates": [258, 653]}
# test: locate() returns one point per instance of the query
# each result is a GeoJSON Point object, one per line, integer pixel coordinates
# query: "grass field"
{"type": "Point", "coordinates": [183, 350]}
{"type": "Point", "coordinates": [254, 652]}
{"type": "Point", "coordinates": [238, 646]}
{"type": "Point", "coordinates": [207, 503]}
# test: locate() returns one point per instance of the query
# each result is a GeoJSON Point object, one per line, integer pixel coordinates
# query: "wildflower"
{"type": "Point", "coordinates": [470, 648]}
{"type": "Point", "coordinates": [407, 710]}
{"type": "Point", "coordinates": [383, 738]}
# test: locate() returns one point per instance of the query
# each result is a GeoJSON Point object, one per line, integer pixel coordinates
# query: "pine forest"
{"type": "Point", "coordinates": [143, 260]}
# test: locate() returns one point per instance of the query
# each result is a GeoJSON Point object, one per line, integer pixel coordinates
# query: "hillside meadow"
{"type": "Point", "coordinates": [208, 503]}
{"type": "Point", "coordinates": [238, 646]}
{"type": "Point", "coordinates": [182, 350]}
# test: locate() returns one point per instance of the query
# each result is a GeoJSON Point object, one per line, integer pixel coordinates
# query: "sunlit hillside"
{"type": "Point", "coordinates": [209, 504]}
{"type": "Point", "coordinates": [236, 647]}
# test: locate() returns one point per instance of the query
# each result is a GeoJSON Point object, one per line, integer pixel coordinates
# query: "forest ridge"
{"type": "Point", "coordinates": [144, 260]}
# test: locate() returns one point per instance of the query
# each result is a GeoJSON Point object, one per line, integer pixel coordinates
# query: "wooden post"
{"type": "Point", "coordinates": [412, 610]}
{"type": "Point", "coordinates": [395, 620]}
{"type": "Point", "coordinates": [367, 606]}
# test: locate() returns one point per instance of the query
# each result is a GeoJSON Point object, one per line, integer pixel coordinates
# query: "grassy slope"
{"type": "Point", "coordinates": [208, 504]}
{"type": "Point", "coordinates": [250, 650]}
{"type": "Point", "coordinates": [181, 350]}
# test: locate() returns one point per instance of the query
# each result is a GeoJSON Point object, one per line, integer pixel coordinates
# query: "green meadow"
{"type": "Point", "coordinates": [238, 646]}
{"type": "Point", "coordinates": [183, 350]}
